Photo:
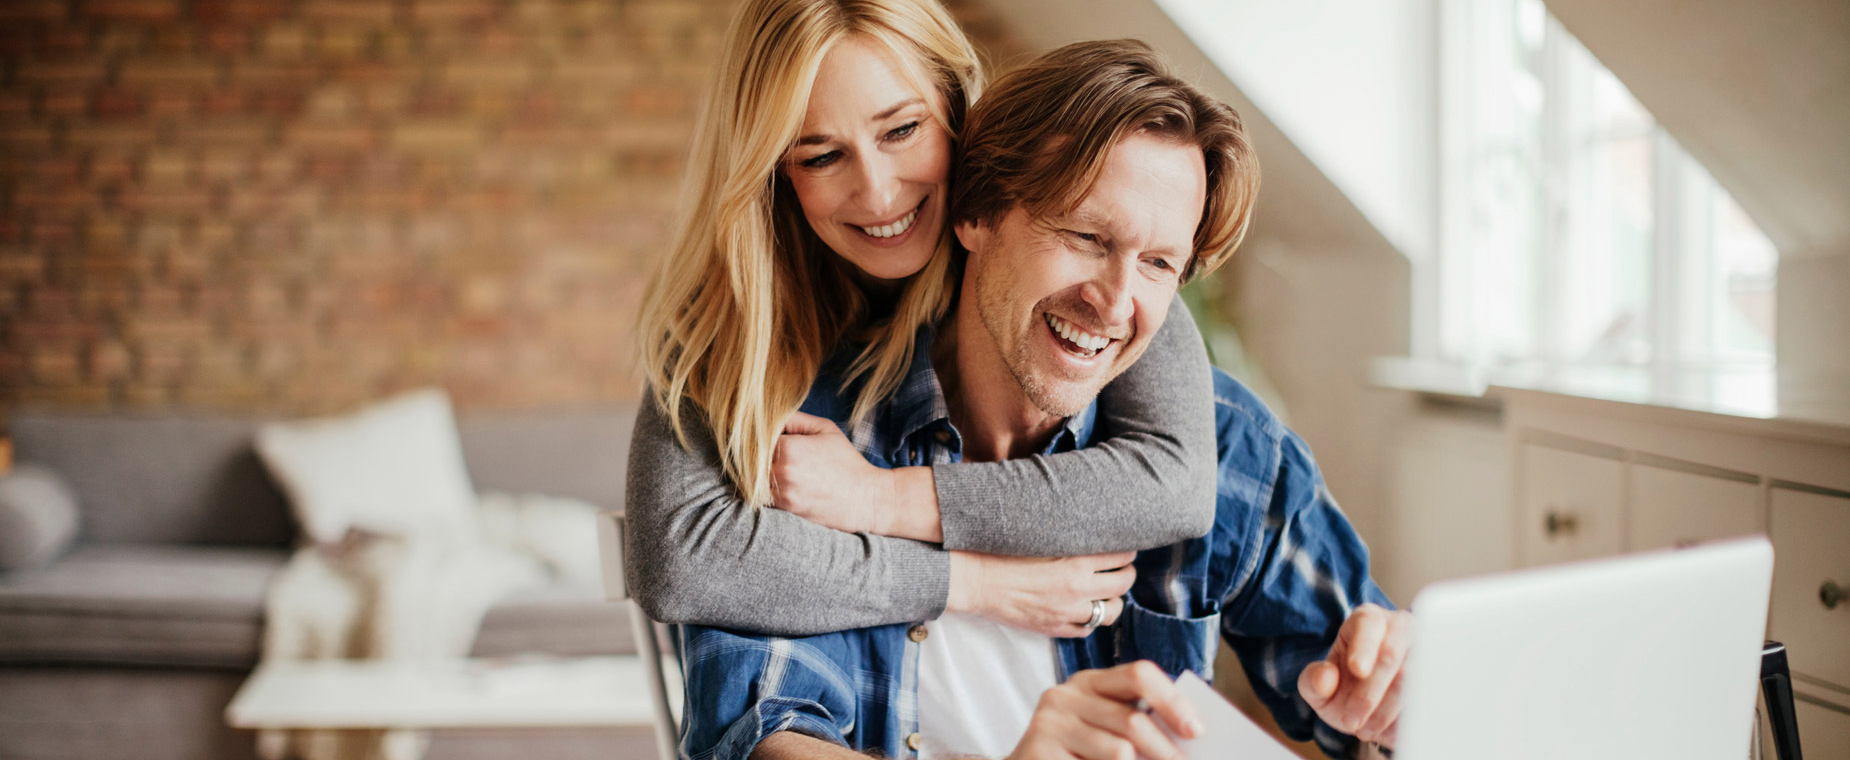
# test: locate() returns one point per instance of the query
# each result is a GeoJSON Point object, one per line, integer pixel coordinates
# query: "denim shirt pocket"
{"type": "Point", "coordinates": [1174, 643]}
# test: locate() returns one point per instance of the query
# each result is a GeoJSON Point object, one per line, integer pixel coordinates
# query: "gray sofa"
{"type": "Point", "coordinates": [131, 643]}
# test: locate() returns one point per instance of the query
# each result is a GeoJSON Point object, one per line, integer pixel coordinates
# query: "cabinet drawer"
{"type": "Point", "coordinates": [1570, 505]}
{"type": "Point", "coordinates": [1671, 507]}
{"type": "Point", "coordinates": [1811, 535]}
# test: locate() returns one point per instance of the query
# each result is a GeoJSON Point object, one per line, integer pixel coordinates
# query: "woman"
{"type": "Point", "coordinates": [813, 218]}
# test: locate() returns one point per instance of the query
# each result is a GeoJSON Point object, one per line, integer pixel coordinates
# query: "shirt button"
{"type": "Point", "coordinates": [914, 742]}
{"type": "Point", "coordinates": [917, 633]}
{"type": "Point", "coordinates": [944, 436]}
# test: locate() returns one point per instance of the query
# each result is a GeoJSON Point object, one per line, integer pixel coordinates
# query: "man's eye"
{"type": "Point", "coordinates": [1165, 267]}
{"type": "Point", "coordinates": [903, 131]}
{"type": "Point", "coordinates": [817, 162]}
{"type": "Point", "coordinates": [1084, 236]}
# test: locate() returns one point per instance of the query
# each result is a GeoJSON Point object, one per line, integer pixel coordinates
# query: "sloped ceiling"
{"type": "Point", "coordinates": [1756, 90]}
{"type": "Point", "coordinates": [1296, 201]}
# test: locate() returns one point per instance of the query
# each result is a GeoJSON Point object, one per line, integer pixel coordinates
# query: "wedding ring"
{"type": "Point", "coordinates": [1098, 615]}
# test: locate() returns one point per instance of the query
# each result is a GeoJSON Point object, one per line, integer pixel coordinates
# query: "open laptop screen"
{"type": "Point", "coordinates": [1653, 655]}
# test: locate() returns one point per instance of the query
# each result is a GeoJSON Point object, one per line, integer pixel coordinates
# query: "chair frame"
{"type": "Point", "coordinates": [648, 633]}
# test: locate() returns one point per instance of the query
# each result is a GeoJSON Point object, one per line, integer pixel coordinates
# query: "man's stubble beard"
{"type": "Point", "coordinates": [992, 309]}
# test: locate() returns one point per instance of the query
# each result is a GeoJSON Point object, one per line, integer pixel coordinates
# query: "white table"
{"type": "Point", "coordinates": [482, 693]}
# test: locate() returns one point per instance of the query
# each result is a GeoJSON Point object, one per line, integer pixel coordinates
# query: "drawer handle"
{"type": "Point", "coordinates": [1560, 524]}
{"type": "Point", "coordinates": [1831, 595]}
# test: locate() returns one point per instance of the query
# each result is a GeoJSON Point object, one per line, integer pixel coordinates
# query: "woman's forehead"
{"type": "Point", "coordinates": [862, 80]}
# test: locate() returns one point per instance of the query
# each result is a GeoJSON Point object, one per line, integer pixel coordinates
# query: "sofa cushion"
{"type": "Point", "coordinates": [38, 517]}
{"type": "Point", "coordinates": [141, 605]}
{"type": "Point", "coordinates": [196, 479]}
{"type": "Point", "coordinates": [580, 453]}
{"type": "Point", "coordinates": [169, 479]}
{"type": "Point", "coordinates": [203, 607]}
{"type": "Point", "coordinates": [392, 468]}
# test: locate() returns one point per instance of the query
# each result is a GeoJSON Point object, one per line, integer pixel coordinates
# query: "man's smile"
{"type": "Point", "coordinates": [1076, 340]}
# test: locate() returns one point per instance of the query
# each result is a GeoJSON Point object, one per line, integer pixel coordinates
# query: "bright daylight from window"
{"type": "Point", "coordinates": [1576, 234]}
{"type": "Point", "coordinates": [1558, 237]}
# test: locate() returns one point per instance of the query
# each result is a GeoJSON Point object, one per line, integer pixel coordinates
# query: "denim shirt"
{"type": "Point", "coordinates": [1276, 577]}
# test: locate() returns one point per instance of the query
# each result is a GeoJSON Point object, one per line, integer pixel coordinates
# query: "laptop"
{"type": "Point", "coordinates": [1653, 655]}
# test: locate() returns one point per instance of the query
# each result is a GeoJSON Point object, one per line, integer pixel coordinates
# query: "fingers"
{"type": "Point", "coordinates": [1380, 726]}
{"type": "Point", "coordinates": [1103, 562]}
{"type": "Point", "coordinates": [1105, 585]}
{"type": "Point", "coordinates": [808, 424]}
{"type": "Point", "coordinates": [1357, 688]}
{"type": "Point", "coordinates": [1317, 684]}
{"type": "Point", "coordinates": [1363, 633]}
{"type": "Point", "coordinates": [1142, 680]}
{"type": "Point", "coordinates": [1118, 726]}
{"type": "Point", "coordinates": [1370, 693]}
{"type": "Point", "coordinates": [1114, 608]}
{"type": "Point", "coordinates": [1108, 586]}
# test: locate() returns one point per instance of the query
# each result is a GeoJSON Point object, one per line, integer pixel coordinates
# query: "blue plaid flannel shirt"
{"type": "Point", "coordinates": [1276, 577]}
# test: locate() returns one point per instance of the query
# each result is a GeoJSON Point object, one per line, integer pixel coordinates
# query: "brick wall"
{"type": "Point", "coordinates": [299, 205]}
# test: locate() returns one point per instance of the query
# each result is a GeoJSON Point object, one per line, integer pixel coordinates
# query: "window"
{"type": "Point", "coordinates": [1574, 231]}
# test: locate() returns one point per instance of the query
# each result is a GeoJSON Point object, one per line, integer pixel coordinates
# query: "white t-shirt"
{"type": "Point", "coordinates": [978, 684]}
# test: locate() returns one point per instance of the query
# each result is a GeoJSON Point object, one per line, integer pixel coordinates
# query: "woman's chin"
{"type": "Point", "coordinates": [889, 267]}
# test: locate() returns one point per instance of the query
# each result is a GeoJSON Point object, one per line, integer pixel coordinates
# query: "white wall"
{"type": "Point", "coordinates": [1354, 85]}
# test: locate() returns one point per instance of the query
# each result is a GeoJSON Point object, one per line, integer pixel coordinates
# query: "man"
{"type": "Point", "coordinates": [1094, 183]}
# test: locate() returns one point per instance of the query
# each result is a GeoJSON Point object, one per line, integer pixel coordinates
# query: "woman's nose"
{"type": "Point", "coordinates": [879, 184]}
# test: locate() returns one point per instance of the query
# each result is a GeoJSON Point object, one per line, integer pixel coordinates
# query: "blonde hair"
{"type": "Point", "coordinates": [749, 301]}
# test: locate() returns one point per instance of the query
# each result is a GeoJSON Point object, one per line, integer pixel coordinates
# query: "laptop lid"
{"type": "Point", "coordinates": [1653, 655]}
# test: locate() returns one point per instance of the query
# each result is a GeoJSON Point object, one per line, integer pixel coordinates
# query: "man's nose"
{"type": "Point", "coordinates": [1109, 290]}
{"type": "Point", "coordinates": [879, 184]}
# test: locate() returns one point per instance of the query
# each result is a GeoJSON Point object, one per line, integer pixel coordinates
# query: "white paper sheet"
{"type": "Point", "coordinates": [1228, 734]}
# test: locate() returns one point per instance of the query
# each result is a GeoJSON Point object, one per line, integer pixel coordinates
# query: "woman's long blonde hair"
{"type": "Point", "coordinates": [749, 302]}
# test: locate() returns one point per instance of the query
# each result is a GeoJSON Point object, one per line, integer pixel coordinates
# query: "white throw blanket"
{"type": "Point", "coordinates": [378, 597]}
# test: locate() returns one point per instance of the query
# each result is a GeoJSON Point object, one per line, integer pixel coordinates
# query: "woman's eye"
{"type": "Point", "coordinates": [817, 162]}
{"type": "Point", "coordinates": [903, 131]}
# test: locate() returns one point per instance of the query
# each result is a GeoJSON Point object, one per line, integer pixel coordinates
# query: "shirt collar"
{"type": "Point", "coordinates": [918, 407]}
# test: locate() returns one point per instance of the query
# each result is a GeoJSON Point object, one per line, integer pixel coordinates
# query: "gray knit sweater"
{"type": "Point", "coordinates": [695, 553]}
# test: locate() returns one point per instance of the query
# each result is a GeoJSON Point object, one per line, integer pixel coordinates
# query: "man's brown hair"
{"type": "Point", "coordinates": [1039, 136]}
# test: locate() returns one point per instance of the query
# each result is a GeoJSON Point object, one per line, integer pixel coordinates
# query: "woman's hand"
{"type": "Point", "coordinates": [818, 475]}
{"type": "Point", "coordinates": [1049, 596]}
{"type": "Point", "coordinates": [1096, 714]}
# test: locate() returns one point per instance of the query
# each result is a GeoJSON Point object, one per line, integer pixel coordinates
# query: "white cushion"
{"type": "Point", "coordinates": [394, 468]}
{"type": "Point", "coordinates": [38, 517]}
{"type": "Point", "coordinates": [561, 532]}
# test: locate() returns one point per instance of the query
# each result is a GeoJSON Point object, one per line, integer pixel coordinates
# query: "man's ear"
{"type": "Point", "coordinates": [973, 235]}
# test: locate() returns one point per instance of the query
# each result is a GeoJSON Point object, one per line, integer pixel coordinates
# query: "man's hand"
{"type": "Point", "coordinates": [1096, 715]}
{"type": "Point", "coordinates": [817, 474]}
{"type": "Point", "coordinates": [1357, 688]}
{"type": "Point", "coordinates": [1051, 596]}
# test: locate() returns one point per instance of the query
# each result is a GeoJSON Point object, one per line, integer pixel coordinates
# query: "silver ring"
{"type": "Point", "coordinates": [1098, 615]}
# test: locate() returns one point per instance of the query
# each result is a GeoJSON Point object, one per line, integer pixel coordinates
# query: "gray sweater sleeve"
{"type": "Point", "coordinates": [1148, 480]}
{"type": "Point", "coordinates": [695, 553]}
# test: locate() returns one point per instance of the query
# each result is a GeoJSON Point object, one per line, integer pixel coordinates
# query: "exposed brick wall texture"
{"type": "Point", "coordinates": [298, 206]}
